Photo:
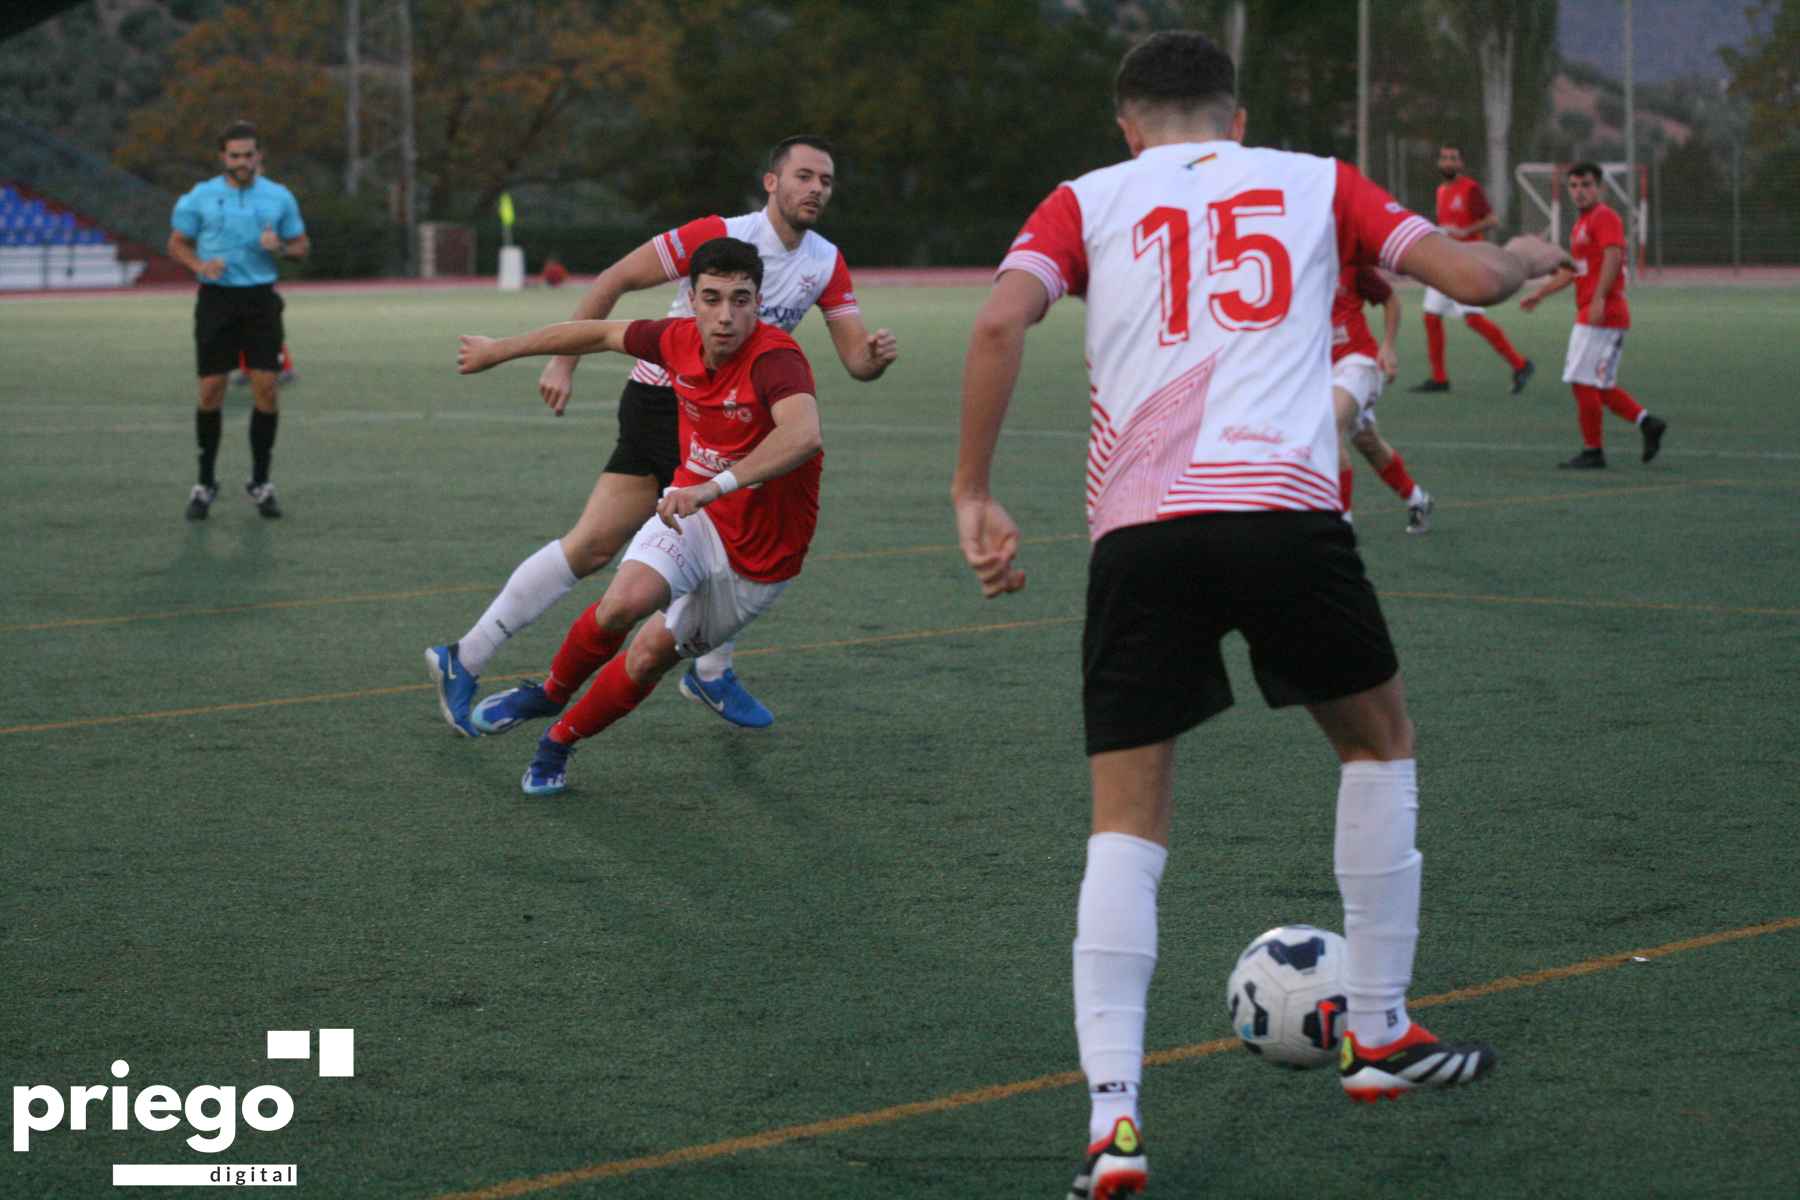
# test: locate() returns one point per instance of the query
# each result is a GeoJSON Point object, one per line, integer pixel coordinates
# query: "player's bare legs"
{"type": "Point", "coordinates": [1115, 945]}
{"type": "Point", "coordinates": [615, 510]}
{"type": "Point", "coordinates": [1386, 460]}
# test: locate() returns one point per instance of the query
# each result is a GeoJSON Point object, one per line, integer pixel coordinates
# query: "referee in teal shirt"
{"type": "Point", "coordinates": [228, 231]}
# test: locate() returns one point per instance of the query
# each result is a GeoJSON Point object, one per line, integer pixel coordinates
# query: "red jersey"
{"type": "Point", "coordinates": [1599, 228]}
{"type": "Point", "coordinates": [1462, 202]}
{"type": "Point", "coordinates": [1350, 334]}
{"type": "Point", "coordinates": [723, 415]}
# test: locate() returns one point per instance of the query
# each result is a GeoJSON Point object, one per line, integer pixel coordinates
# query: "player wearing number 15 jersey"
{"type": "Point", "coordinates": [1208, 269]}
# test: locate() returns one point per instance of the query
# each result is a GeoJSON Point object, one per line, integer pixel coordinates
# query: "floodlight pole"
{"type": "Point", "coordinates": [352, 94]}
{"type": "Point", "coordinates": [408, 145]}
{"type": "Point", "coordinates": [1362, 87]}
{"type": "Point", "coordinates": [1631, 218]}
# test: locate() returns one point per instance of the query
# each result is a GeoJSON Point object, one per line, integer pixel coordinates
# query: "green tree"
{"type": "Point", "coordinates": [1767, 74]}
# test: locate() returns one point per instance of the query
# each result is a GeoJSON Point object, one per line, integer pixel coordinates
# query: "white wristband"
{"type": "Point", "coordinates": [727, 482]}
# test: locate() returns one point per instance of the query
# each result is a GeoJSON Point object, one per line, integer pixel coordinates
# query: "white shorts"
{"type": "Point", "coordinates": [1593, 355]}
{"type": "Point", "coordinates": [1440, 305]}
{"type": "Point", "coordinates": [1358, 375]}
{"type": "Point", "coordinates": [708, 601]}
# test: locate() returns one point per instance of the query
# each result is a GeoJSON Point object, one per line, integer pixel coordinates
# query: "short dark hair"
{"type": "Point", "coordinates": [1590, 169]}
{"type": "Point", "coordinates": [726, 256]}
{"type": "Point", "coordinates": [237, 131]}
{"type": "Point", "coordinates": [1176, 69]}
{"type": "Point", "coordinates": [779, 152]}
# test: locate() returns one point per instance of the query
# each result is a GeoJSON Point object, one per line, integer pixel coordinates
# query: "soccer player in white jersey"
{"type": "Point", "coordinates": [1208, 270]}
{"type": "Point", "coordinates": [801, 269]}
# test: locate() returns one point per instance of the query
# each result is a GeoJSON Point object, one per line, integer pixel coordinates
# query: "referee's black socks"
{"type": "Point", "coordinates": [262, 443]}
{"type": "Point", "coordinates": [206, 432]}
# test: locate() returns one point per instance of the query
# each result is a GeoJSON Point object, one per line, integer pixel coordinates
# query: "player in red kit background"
{"type": "Point", "coordinates": [1601, 318]}
{"type": "Point", "coordinates": [1208, 269]}
{"type": "Point", "coordinates": [1359, 371]}
{"type": "Point", "coordinates": [1463, 213]}
{"type": "Point", "coordinates": [724, 540]}
{"type": "Point", "coordinates": [801, 271]}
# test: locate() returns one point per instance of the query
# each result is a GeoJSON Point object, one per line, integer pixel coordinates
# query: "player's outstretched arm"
{"type": "Point", "coordinates": [986, 532]}
{"type": "Point", "coordinates": [793, 441]}
{"type": "Point", "coordinates": [1479, 273]}
{"type": "Point", "coordinates": [475, 353]}
{"type": "Point", "coordinates": [635, 272]}
{"type": "Point", "coordinates": [1560, 279]}
{"type": "Point", "coordinates": [865, 355]}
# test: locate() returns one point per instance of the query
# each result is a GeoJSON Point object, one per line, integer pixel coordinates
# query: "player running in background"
{"type": "Point", "coordinates": [1359, 371]}
{"type": "Point", "coordinates": [1601, 318]}
{"type": "Point", "coordinates": [723, 542]}
{"type": "Point", "coordinates": [801, 269]}
{"type": "Point", "coordinates": [1463, 213]}
{"type": "Point", "coordinates": [1208, 270]}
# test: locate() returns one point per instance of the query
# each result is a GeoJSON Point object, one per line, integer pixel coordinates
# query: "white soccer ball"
{"type": "Point", "coordinates": [1286, 995]}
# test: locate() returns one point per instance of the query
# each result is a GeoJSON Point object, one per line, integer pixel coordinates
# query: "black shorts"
{"type": "Point", "coordinates": [1161, 596]}
{"type": "Point", "coordinates": [229, 321]}
{"type": "Point", "coordinates": [649, 434]}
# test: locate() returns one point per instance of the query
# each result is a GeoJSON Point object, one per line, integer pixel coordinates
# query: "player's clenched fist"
{"type": "Point", "coordinates": [474, 353]}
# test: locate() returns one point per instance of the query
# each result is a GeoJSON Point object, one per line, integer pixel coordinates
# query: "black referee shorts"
{"type": "Point", "coordinates": [229, 321]}
{"type": "Point", "coordinates": [649, 434]}
{"type": "Point", "coordinates": [1162, 595]}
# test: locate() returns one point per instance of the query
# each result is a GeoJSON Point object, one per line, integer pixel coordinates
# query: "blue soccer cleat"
{"type": "Point", "coordinates": [455, 687]}
{"type": "Point", "coordinates": [504, 710]}
{"type": "Point", "coordinates": [548, 773]}
{"type": "Point", "coordinates": [727, 697]}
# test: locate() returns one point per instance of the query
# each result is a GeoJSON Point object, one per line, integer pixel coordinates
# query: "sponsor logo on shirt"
{"type": "Point", "coordinates": [675, 241]}
{"type": "Point", "coordinates": [705, 460]}
{"type": "Point", "coordinates": [1021, 240]}
{"type": "Point", "coordinates": [1242, 433]}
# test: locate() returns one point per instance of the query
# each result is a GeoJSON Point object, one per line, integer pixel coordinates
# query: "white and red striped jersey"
{"type": "Point", "coordinates": [1209, 270]}
{"type": "Point", "coordinates": [814, 272]}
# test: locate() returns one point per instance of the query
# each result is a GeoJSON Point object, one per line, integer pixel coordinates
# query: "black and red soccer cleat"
{"type": "Point", "coordinates": [1415, 1060]}
{"type": "Point", "coordinates": [1115, 1167]}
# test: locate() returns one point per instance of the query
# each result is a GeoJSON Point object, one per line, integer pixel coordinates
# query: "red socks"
{"type": "Point", "coordinates": [1434, 346]}
{"type": "Point", "coordinates": [614, 694]}
{"type": "Point", "coordinates": [1620, 401]}
{"type": "Point", "coordinates": [1395, 476]}
{"type": "Point", "coordinates": [1588, 413]}
{"type": "Point", "coordinates": [585, 648]}
{"type": "Point", "coordinates": [1495, 338]}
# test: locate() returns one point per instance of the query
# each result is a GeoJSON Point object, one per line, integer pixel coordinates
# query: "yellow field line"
{"type": "Point", "coordinates": [989, 1095]}
{"type": "Point", "coordinates": [267, 605]}
{"type": "Point", "coordinates": [1561, 602]}
{"type": "Point", "coordinates": [449, 589]}
{"type": "Point", "coordinates": [168, 714]}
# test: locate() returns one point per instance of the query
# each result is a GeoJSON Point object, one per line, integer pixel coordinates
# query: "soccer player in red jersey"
{"type": "Point", "coordinates": [802, 270]}
{"type": "Point", "coordinates": [724, 540]}
{"type": "Point", "coordinates": [1208, 269]}
{"type": "Point", "coordinates": [1359, 371]}
{"type": "Point", "coordinates": [1601, 318]}
{"type": "Point", "coordinates": [1463, 213]}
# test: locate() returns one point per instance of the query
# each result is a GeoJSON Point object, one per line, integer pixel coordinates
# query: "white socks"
{"type": "Point", "coordinates": [1378, 872]}
{"type": "Point", "coordinates": [536, 584]}
{"type": "Point", "coordinates": [710, 666]}
{"type": "Point", "coordinates": [1115, 955]}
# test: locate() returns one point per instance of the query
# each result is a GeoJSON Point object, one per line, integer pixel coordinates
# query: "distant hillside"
{"type": "Point", "coordinates": [1673, 39]}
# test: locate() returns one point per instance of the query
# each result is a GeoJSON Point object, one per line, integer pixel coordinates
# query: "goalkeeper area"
{"type": "Point", "coordinates": [832, 958]}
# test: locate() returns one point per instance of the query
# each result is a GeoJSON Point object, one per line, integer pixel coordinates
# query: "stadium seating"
{"type": "Point", "coordinates": [44, 245]}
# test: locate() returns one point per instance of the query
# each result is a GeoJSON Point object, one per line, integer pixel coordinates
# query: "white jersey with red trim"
{"type": "Point", "coordinates": [1209, 270]}
{"type": "Point", "coordinates": [814, 272]}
